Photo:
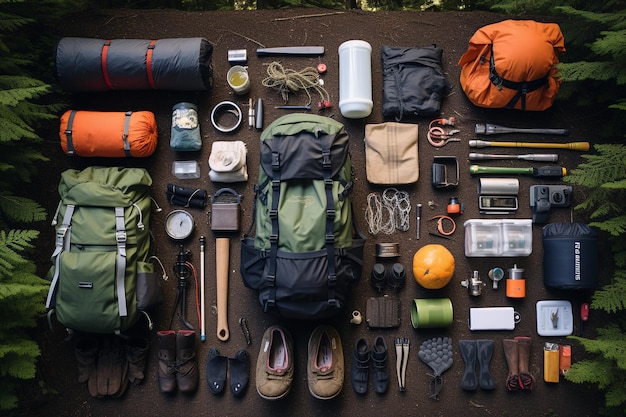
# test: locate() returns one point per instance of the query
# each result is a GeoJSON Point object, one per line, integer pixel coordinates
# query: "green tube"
{"type": "Point", "coordinates": [478, 169]}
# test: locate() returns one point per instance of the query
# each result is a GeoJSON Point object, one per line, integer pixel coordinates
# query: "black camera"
{"type": "Point", "coordinates": [544, 197]}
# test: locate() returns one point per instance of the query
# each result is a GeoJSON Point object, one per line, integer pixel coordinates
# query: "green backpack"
{"type": "Point", "coordinates": [307, 253]}
{"type": "Point", "coordinates": [101, 277]}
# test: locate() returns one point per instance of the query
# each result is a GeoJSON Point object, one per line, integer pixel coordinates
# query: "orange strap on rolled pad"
{"type": "Point", "coordinates": [105, 71]}
{"type": "Point", "coordinates": [149, 73]}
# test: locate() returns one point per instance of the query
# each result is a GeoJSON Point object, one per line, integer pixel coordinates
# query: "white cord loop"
{"type": "Point", "coordinates": [388, 213]}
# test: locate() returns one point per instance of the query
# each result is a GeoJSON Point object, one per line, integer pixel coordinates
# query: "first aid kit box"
{"type": "Point", "coordinates": [498, 237]}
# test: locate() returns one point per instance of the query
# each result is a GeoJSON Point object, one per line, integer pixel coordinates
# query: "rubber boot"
{"type": "Point", "coordinates": [186, 361]}
{"type": "Point", "coordinates": [524, 345]}
{"type": "Point", "coordinates": [511, 353]}
{"type": "Point", "coordinates": [167, 361]}
{"type": "Point", "coordinates": [468, 349]}
{"type": "Point", "coordinates": [86, 352]}
{"type": "Point", "coordinates": [136, 355]}
{"type": "Point", "coordinates": [485, 353]}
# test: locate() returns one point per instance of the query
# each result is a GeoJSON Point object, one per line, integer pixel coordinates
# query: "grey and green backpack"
{"type": "Point", "coordinates": [307, 252]}
{"type": "Point", "coordinates": [101, 276]}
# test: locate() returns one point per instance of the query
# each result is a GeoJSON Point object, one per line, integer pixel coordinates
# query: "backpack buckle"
{"type": "Point", "coordinates": [120, 237]}
{"type": "Point", "coordinates": [334, 302]}
{"type": "Point", "coordinates": [61, 233]}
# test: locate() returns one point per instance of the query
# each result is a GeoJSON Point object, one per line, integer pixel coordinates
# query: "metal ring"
{"type": "Point", "coordinates": [223, 107]}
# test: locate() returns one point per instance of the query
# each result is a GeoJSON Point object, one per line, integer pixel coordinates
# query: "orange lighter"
{"type": "Point", "coordinates": [565, 358]}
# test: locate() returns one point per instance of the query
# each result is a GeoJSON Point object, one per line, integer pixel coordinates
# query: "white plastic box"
{"type": "Point", "coordinates": [498, 237]}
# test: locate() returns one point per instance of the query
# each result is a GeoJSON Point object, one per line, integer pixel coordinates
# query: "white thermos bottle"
{"type": "Point", "coordinates": [355, 79]}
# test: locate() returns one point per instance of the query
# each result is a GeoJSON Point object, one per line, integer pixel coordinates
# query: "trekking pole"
{"type": "Point", "coordinates": [575, 146]}
{"type": "Point", "coordinates": [543, 157]}
{"type": "Point", "coordinates": [491, 129]}
{"type": "Point", "coordinates": [202, 316]}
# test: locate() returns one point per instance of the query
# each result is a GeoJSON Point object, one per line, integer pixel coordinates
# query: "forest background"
{"type": "Point", "coordinates": [594, 75]}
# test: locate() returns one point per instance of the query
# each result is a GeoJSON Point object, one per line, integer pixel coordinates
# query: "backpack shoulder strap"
{"type": "Point", "coordinates": [271, 274]}
{"type": "Point", "coordinates": [62, 241]}
{"type": "Point", "coordinates": [330, 219]}
{"type": "Point", "coordinates": [120, 268]}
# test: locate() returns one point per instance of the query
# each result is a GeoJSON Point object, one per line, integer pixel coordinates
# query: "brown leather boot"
{"type": "Point", "coordinates": [511, 353]}
{"type": "Point", "coordinates": [526, 378]}
{"type": "Point", "coordinates": [186, 361]}
{"type": "Point", "coordinates": [167, 361]}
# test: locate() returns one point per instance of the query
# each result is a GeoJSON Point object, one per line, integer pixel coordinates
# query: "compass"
{"type": "Point", "coordinates": [179, 224]}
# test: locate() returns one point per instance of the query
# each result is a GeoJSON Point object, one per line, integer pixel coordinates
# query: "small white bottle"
{"type": "Point", "coordinates": [355, 79]}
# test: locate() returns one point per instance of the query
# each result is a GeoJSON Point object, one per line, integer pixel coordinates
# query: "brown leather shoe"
{"type": "Point", "coordinates": [275, 366]}
{"type": "Point", "coordinates": [167, 361]}
{"type": "Point", "coordinates": [511, 353]}
{"type": "Point", "coordinates": [526, 378]}
{"type": "Point", "coordinates": [186, 361]}
{"type": "Point", "coordinates": [325, 364]}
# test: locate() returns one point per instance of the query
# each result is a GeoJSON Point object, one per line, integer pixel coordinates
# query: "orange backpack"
{"type": "Point", "coordinates": [512, 64]}
{"type": "Point", "coordinates": [108, 134]}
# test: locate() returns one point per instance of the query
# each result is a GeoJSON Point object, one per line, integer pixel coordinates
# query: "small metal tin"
{"type": "Point", "coordinates": [387, 250]}
{"type": "Point", "coordinates": [237, 56]}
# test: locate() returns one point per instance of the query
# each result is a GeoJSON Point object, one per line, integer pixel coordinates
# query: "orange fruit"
{"type": "Point", "coordinates": [433, 266]}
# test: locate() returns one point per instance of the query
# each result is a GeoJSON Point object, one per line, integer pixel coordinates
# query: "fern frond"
{"type": "Point", "coordinates": [10, 244]}
{"type": "Point", "coordinates": [10, 22]}
{"type": "Point", "coordinates": [612, 297]}
{"type": "Point", "coordinates": [615, 185]}
{"type": "Point", "coordinates": [18, 356]}
{"type": "Point", "coordinates": [615, 395]}
{"type": "Point", "coordinates": [616, 226]}
{"type": "Point", "coordinates": [620, 105]}
{"type": "Point", "coordinates": [13, 128]}
{"type": "Point", "coordinates": [586, 70]}
{"type": "Point", "coordinates": [17, 88]}
{"type": "Point", "coordinates": [21, 209]}
{"type": "Point", "coordinates": [607, 19]}
{"type": "Point", "coordinates": [598, 372]}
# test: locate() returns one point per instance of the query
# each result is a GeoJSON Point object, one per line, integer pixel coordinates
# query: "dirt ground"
{"type": "Point", "coordinates": [296, 27]}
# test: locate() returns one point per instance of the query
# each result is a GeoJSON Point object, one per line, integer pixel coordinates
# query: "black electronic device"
{"type": "Point", "coordinates": [544, 197]}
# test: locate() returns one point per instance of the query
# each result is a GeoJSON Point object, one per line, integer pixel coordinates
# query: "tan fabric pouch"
{"type": "Point", "coordinates": [391, 155]}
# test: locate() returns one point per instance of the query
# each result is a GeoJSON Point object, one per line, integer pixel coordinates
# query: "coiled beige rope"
{"type": "Point", "coordinates": [285, 81]}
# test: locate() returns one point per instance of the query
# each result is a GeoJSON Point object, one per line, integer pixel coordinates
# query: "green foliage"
{"type": "Point", "coordinates": [22, 112]}
{"type": "Point", "coordinates": [604, 177]}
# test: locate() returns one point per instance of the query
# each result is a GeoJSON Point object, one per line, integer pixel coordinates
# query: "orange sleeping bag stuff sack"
{"type": "Point", "coordinates": [512, 64]}
{"type": "Point", "coordinates": [108, 134]}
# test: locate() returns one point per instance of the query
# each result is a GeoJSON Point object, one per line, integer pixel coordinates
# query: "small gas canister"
{"type": "Point", "coordinates": [515, 283]}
